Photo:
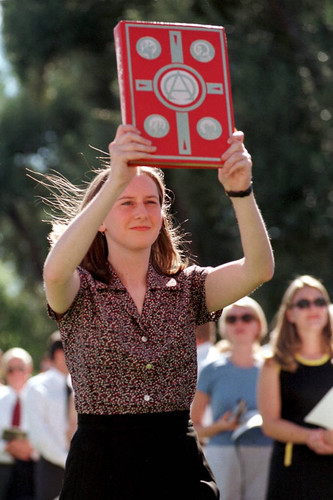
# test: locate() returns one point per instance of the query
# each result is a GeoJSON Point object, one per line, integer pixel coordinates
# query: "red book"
{"type": "Point", "coordinates": [174, 87]}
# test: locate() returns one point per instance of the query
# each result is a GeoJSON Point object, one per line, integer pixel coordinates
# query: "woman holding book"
{"type": "Point", "coordinates": [292, 382]}
{"type": "Point", "coordinates": [127, 305]}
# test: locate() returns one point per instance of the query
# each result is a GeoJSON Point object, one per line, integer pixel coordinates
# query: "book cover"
{"type": "Point", "coordinates": [174, 85]}
{"type": "Point", "coordinates": [322, 413]}
{"type": "Point", "coordinates": [250, 420]}
{"type": "Point", "coordinates": [13, 433]}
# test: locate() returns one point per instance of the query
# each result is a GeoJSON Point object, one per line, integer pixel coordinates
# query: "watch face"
{"type": "Point", "coordinates": [175, 87]}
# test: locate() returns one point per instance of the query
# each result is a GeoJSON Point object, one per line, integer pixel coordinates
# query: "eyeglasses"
{"type": "Point", "coordinates": [12, 369]}
{"type": "Point", "coordinates": [305, 303]}
{"type": "Point", "coordinates": [246, 318]}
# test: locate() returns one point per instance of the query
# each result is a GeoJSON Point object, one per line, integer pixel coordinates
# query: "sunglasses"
{"type": "Point", "coordinates": [305, 303]}
{"type": "Point", "coordinates": [246, 318]}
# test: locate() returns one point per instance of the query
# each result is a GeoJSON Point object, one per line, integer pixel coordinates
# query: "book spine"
{"type": "Point", "coordinates": [122, 68]}
{"type": "Point", "coordinates": [227, 73]}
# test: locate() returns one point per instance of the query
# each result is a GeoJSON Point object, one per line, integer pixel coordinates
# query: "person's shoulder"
{"type": "Point", "coordinates": [5, 390]}
{"type": "Point", "coordinates": [261, 355]}
{"type": "Point", "coordinates": [193, 274]}
{"type": "Point", "coordinates": [195, 269]}
{"type": "Point", "coordinates": [86, 278]}
{"type": "Point", "coordinates": [217, 364]}
{"type": "Point", "coordinates": [38, 380]}
{"type": "Point", "coordinates": [270, 363]}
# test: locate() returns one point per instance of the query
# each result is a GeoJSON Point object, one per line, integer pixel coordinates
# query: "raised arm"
{"type": "Point", "coordinates": [60, 275]}
{"type": "Point", "coordinates": [227, 283]}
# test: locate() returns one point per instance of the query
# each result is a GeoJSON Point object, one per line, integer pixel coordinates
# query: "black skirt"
{"type": "Point", "coordinates": [125, 457]}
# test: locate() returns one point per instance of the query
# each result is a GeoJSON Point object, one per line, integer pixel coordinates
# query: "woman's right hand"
{"type": "Point", "coordinates": [20, 449]}
{"type": "Point", "coordinates": [227, 422]}
{"type": "Point", "coordinates": [128, 145]}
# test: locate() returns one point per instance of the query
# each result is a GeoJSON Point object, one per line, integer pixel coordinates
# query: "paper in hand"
{"type": "Point", "coordinates": [322, 413]}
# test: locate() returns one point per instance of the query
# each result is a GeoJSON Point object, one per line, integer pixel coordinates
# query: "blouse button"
{"type": "Point", "coordinates": [146, 397]}
{"type": "Point", "coordinates": [144, 339]}
{"type": "Point", "coordinates": [149, 366]}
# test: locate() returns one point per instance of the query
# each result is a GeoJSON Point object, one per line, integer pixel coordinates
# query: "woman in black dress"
{"type": "Point", "coordinates": [291, 383]}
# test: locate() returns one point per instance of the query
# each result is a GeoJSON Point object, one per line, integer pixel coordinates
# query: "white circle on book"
{"type": "Point", "coordinates": [202, 51]}
{"type": "Point", "coordinates": [148, 47]}
{"type": "Point", "coordinates": [179, 87]}
{"type": "Point", "coordinates": [156, 126]}
{"type": "Point", "coordinates": [209, 128]}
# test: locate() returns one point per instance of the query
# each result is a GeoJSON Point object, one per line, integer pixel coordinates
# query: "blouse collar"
{"type": "Point", "coordinates": [154, 280]}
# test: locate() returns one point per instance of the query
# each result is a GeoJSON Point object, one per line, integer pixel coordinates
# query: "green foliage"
{"type": "Point", "coordinates": [281, 76]}
{"type": "Point", "coordinates": [24, 323]}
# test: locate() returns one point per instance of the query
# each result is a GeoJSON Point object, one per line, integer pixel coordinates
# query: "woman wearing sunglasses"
{"type": "Point", "coordinates": [238, 459]}
{"type": "Point", "coordinates": [291, 383]}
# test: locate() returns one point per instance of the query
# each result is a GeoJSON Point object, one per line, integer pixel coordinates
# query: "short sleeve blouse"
{"type": "Point", "coordinates": [124, 362]}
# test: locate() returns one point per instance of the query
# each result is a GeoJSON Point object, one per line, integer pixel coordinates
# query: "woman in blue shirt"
{"type": "Point", "coordinates": [238, 455]}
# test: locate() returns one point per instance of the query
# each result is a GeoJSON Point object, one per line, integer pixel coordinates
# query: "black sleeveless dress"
{"type": "Point", "coordinates": [296, 472]}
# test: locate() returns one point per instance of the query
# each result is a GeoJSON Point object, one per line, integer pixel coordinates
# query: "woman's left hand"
{"type": "Point", "coordinates": [328, 437]}
{"type": "Point", "coordinates": [236, 173]}
{"type": "Point", "coordinates": [317, 442]}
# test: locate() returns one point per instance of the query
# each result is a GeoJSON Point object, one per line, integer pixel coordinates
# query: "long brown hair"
{"type": "Point", "coordinates": [167, 254]}
{"type": "Point", "coordinates": [286, 341]}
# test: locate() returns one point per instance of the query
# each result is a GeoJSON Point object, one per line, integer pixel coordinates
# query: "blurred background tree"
{"type": "Point", "coordinates": [62, 55]}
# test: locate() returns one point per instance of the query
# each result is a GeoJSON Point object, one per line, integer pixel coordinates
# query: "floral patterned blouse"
{"type": "Point", "coordinates": [124, 362]}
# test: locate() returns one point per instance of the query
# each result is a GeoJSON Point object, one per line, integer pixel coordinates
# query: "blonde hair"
{"type": "Point", "coordinates": [224, 344]}
{"type": "Point", "coordinates": [15, 353]}
{"type": "Point", "coordinates": [249, 303]}
{"type": "Point", "coordinates": [285, 339]}
{"type": "Point", "coordinates": [167, 255]}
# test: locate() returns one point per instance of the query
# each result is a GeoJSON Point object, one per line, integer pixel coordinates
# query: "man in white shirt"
{"type": "Point", "coordinates": [205, 339]}
{"type": "Point", "coordinates": [206, 352]}
{"type": "Point", "coordinates": [16, 452]}
{"type": "Point", "coordinates": [47, 416]}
